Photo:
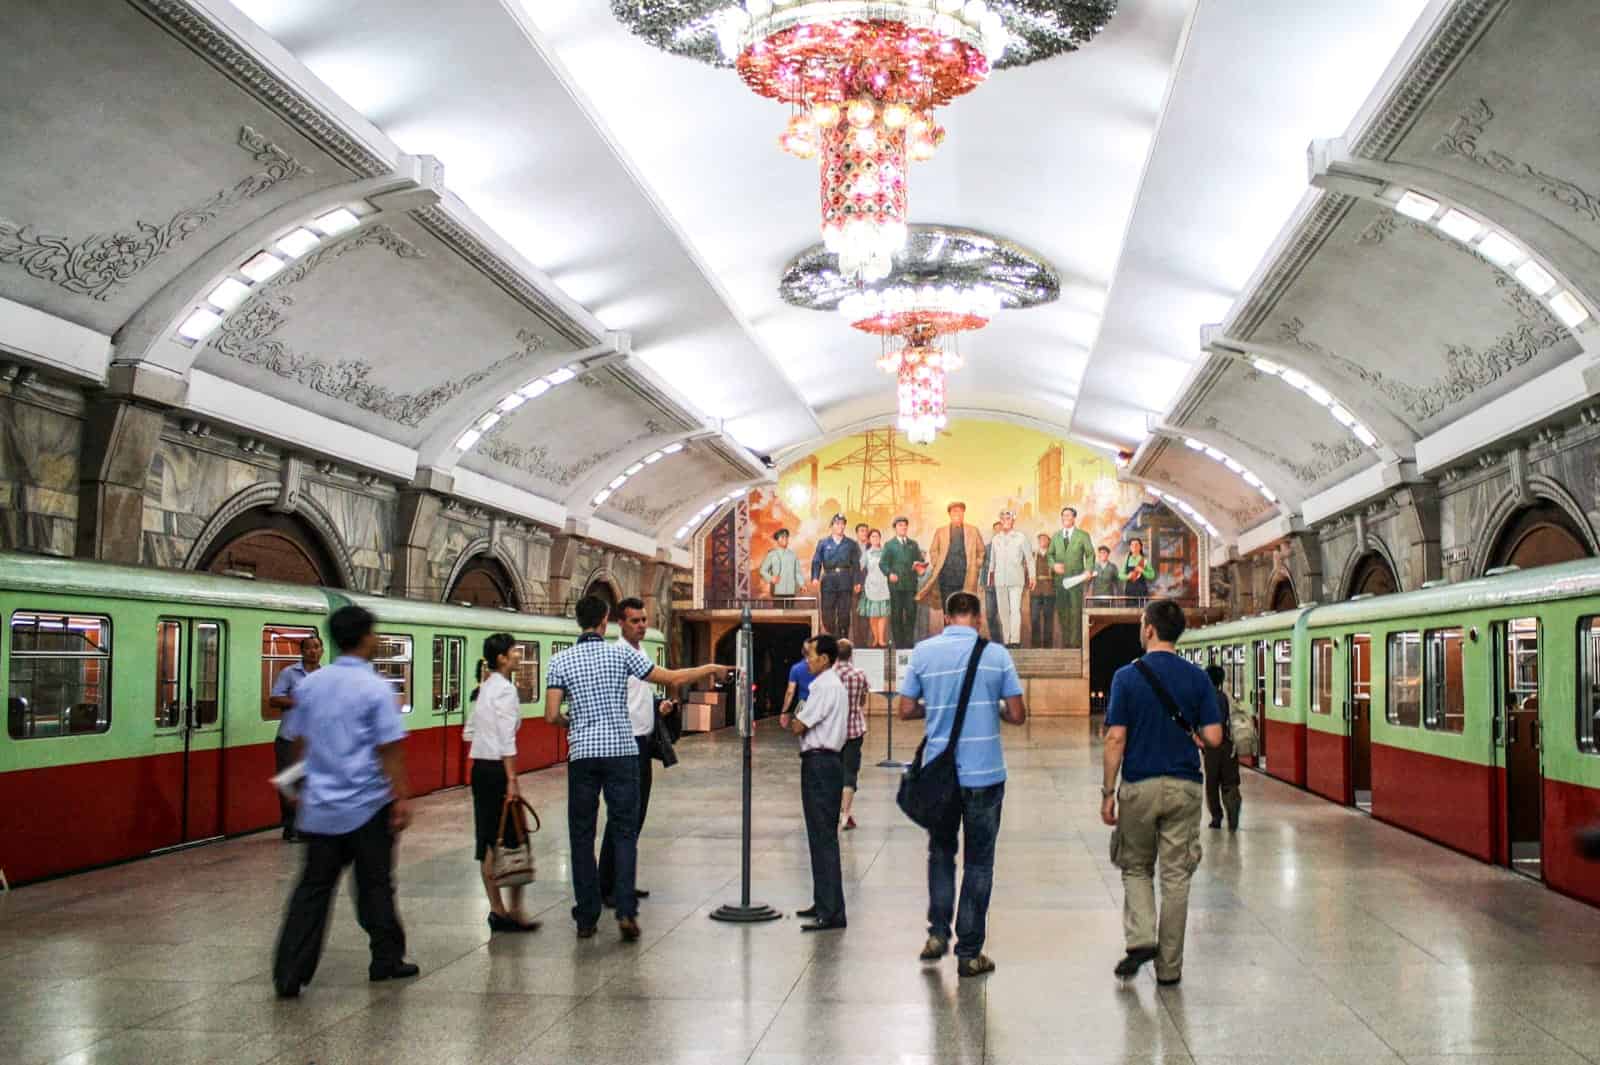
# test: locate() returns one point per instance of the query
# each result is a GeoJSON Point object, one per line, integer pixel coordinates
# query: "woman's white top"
{"type": "Point", "coordinates": [876, 584]}
{"type": "Point", "coordinates": [495, 718]}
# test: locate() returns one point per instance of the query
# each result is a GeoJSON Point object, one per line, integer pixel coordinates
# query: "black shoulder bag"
{"type": "Point", "coordinates": [930, 793]}
{"type": "Point", "coordinates": [1163, 695]}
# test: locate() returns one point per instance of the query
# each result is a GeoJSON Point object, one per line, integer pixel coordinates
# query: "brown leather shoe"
{"type": "Point", "coordinates": [934, 949]}
{"type": "Point", "coordinates": [629, 929]}
{"type": "Point", "coordinates": [974, 966]}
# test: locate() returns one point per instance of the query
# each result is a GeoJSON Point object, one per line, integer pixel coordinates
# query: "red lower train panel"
{"type": "Point", "coordinates": [1447, 801]}
{"type": "Point", "coordinates": [1567, 808]}
{"type": "Point", "coordinates": [1328, 765]}
{"type": "Point", "coordinates": [1286, 751]}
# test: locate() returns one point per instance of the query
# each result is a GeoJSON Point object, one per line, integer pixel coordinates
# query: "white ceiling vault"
{"type": "Point", "coordinates": [539, 191]}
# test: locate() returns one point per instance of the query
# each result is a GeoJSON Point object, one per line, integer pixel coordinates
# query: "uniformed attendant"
{"type": "Point", "coordinates": [902, 563]}
{"type": "Point", "coordinates": [284, 750]}
{"type": "Point", "coordinates": [352, 806]}
{"type": "Point", "coordinates": [781, 568]}
{"type": "Point", "coordinates": [836, 566]}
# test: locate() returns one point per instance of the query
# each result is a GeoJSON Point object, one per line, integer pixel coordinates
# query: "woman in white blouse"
{"type": "Point", "coordinates": [496, 715]}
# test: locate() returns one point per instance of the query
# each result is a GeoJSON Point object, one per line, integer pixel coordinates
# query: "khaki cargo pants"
{"type": "Point", "coordinates": [1159, 822]}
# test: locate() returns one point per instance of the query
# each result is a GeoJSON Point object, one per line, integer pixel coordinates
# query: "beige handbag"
{"type": "Point", "coordinates": [513, 866]}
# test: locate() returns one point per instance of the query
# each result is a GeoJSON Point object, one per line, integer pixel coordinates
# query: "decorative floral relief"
{"type": "Point", "coordinates": [98, 264]}
{"type": "Point", "coordinates": [1467, 369]}
{"type": "Point", "coordinates": [636, 507]}
{"type": "Point", "coordinates": [248, 336]}
{"type": "Point", "coordinates": [1462, 139]}
{"type": "Point", "coordinates": [538, 461]}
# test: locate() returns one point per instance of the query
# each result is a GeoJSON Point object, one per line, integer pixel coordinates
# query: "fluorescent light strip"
{"type": "Point", "coordinates": [1317, 394]}
{"type": "Point", "coordinates": [510, 402]}
{"type": "Point", "coordinates": [622, 478]}
{"type": "Point", "coordinates": [1185, 507]}
{"type": "Point", "coordinates": [705, 512]}
{"type": "Point", "coordinates": [1232, 465]}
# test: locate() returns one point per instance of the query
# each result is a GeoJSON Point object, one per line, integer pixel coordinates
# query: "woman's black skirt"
{"type": "Point", "coordinates": [488, 799]}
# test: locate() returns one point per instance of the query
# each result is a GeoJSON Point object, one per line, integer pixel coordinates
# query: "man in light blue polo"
{"type": "Point", "coordinates": [352, 806]}
{"type": "Point", "coordinates": [938, 666]}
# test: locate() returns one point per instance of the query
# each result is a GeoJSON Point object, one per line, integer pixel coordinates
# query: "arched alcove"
{"type": "Point", "coordinates": [1283, 595]}
{"type": "Point", "coordinates": [1371, 574]}
{"type": "Point", "coordinates": [1541, 534]}
{"type": "Point", "coordinates": [267, 546]}
{"type": "Point", "coordinates": [601, 585]}
{"type": "Point", "coordinates": [483, 580]}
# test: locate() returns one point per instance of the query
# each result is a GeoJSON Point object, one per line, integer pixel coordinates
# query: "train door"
{"type": "Point", "coordinates": [1519, 741]}
{"type": "Point", "coordinates": [189, 687]}
{"type": "Point", "coordinates": [449, 704]}
{"type": "Point", "coordinates": [1263, 658]}
{"type": "Point", "coordinates": [1358, 650]}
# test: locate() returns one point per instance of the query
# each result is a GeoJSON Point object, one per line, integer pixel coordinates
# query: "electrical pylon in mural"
{"type": "Point", "coordinates": [880, 458]}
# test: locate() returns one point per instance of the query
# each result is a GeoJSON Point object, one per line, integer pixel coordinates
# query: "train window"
{"type": "Point", "coordinates": [60, 675]}
{"type": "Point", "coordinates": [1322, 676]}
{"type": "Point", "coordinates": [1241, 693]}
{"type": "Point", "coordinates": [1589, 685]}
{"type": "Point", "coordinates": [448, 652]}
{"type": "Point", "coordinates": [393, 663]}
{"type": "Point", "coordinates": [280, 649]}
{"type": "Point", "coordinates": [1444, 705]}
{"type": "Point", "coordinates": [169, 687]}
{"type": "Point", "coordinates": [526, 678]}
{"type": "Point", "coordinates": [1282, 673]}
{"type": "Point", "coordinates": [1404, 703]}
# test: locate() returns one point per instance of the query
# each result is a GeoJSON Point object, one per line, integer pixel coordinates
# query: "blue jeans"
{"type": "Point", "coordinates": [618, 780]}
{"type": "Point", "coordinates": [980, 816]}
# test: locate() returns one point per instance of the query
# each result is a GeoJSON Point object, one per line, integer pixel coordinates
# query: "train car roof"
{"type": "Point", "coordinates": [1567, 580]}
{"type": "Point", "coordinates": [49, 575]}
{"type": "Point", "coordinates": [1251, 626]}
{"type": "Point", "coordinates": [448, 615]}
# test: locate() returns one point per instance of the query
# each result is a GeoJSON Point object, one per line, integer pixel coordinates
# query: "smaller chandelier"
{"type": "Point", "coordinates": [919, 389]}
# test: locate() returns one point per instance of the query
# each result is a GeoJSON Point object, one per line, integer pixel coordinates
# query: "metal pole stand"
{"type": "Point", "coordinates": [745, 912]}
{"type": "Point", "coordinates": [890, 678]}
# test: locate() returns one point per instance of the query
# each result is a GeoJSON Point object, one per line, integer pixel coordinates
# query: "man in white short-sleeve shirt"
{"type": "Point", "coordinates": [823, 725]}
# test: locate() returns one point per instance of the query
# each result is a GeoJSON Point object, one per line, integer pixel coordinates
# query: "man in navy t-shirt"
{"type": "Point", "coordinates": [1161, 791]}
{"type": "Point", "coordinates": [794, 696]}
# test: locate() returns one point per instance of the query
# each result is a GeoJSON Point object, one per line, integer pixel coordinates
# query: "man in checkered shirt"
{"type": "Point", "coordinates": [602, 756]}
{"type": "Point", "coordinates": [857, 687]}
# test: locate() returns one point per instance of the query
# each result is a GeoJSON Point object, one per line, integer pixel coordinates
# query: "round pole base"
{"type": "Point", "coordinates": [890, 763]}
{"type": "Point", "coordinates": [755, 913]}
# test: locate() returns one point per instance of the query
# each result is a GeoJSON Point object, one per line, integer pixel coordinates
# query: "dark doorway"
{"type": "Point", "coordinates": [484, 581]}
{"type": "Point", "coordinates": [603, 588]}
{"type": "Point", "coordinates": [777, 647]}
{"type": "Point", "coordinates": [1109, 650]}
{"type": "Point", "coordinates": [1372, 576]}
{"type": "Point", "coordinates": [1520, 742]}
{"type": "Point", "coordinates": [265, 546]}
{"type": "Point", "coordinates": [1360, 651]}
{"type": "Point", "coordinates": [1540, 535]}
{"type": "Point", "coordinates": [1283, 597]}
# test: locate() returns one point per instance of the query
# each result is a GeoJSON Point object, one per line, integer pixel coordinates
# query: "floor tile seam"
{"type": "Point", "coordinates": [799, 977]}
{"type": "Point", "coordinates": [1516, 1009]}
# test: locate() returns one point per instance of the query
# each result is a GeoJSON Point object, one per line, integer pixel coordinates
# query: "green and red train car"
{"type": "Point", "coordinates": [137, 714]}
{"type": "Point", "coordinates": [1463, 712]}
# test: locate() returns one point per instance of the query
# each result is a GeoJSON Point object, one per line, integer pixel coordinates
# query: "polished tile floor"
{"type": "Point", "coordinates": [1315, 935]}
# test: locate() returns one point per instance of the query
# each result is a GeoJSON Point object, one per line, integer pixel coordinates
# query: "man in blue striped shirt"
{"type": "Point", "coordinates": [938, 666]}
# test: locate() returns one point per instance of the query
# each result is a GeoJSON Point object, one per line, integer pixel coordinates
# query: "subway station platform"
{"type": "Point", "coordinates": [1316, 935]}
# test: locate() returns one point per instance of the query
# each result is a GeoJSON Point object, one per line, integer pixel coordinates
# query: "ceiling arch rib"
{"type": "Point", "coordinates": [220, 282]}
{"type": "Point", "coordinates": [627, 463]}
{"type": "Point", "coordinates": [692, 516]}
{"type": "Point", "coordinates": [1226, 501]}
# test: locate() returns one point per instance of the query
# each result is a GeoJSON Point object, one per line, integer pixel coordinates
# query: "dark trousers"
{"type": "Point", "coordinates": [980, 819]}
{"type": "Point", "coordinates": [836, 597]}
{"type": "Point", "coordinates": [371, 849]}
{"type": "Point", "coordinates": [821, 781]}
{"type": "Point", "coordinates": [283, 758]}
{"type": "Point", "coordinates": [608, 841]}
{"type": "Point", "coordinates": [1041, 619]}
{"type": "Point", "coordinates": [1222, 781]}
{"type": "Point", "coordinates": [618, 780]}
{"type": "Point", "coordinates": [903, 616]}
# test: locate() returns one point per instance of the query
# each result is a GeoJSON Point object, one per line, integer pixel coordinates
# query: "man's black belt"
{"type": "Point", "coordinates": [837, 569]}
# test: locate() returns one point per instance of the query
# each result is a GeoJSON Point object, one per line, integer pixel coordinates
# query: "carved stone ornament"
{"type": "Point", "coordinates": [1328, 458]}
{"type": "Point", "coordinates": [1462, 140]}
{"type": "Point", "coordinates": [1468, 369]}
{"type": "Point", "coordinates": [537, 461]}
{"type": "Point", "coordinates": [637, 507]}
{"type": "Point", "coordinates": [248, 335]}
{"type": "Point", "coordinates": [98, 264]}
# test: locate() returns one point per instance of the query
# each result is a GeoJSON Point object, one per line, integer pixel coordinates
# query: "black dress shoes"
{"type": "Point", "coordinates": [399, 970]}
{"type": "Point", "coordinates": [1136, 958]}
{"type": "Point", "coordinates": [823, 926]}
{"type": "Point", "coordinates": [809, 911]}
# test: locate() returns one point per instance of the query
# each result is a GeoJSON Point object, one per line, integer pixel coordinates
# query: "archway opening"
{"type": "Point", "coordinates": [1539, 535]}
{"type": "Point", "coordinates": [1372, 576]}
{"type": "Point", "coordinates": [600, 586]}
{"type": "Point", "coordinates": [1110, 649]}
{"type": "Point", "coordinates": [484, 581]}
{"type": "Point", "coordinates": [1283, 595]}
{"type": "Point", "coordinates": [263, 545]}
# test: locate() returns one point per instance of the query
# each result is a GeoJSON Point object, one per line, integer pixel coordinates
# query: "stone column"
{"type": "Point", "coordinates": [119, 443]}
{"type": "Point", "coordinates": [564, 550]}
{"type": "Point", "coordinates": [1422, 557]}
{"type": "Point", "coordinates": [416, 516]}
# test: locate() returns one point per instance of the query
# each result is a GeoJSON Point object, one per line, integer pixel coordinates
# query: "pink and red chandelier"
{"type": "Point", "coordinates": [864, 78]}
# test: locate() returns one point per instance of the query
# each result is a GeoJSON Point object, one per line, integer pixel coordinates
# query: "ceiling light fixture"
{"type": "Point", "coordinates": [1216, 455]}
{"type": "Point", "coordinates": [297, 242]}
{"type": "Point", "coordinates": [262, 266]}
{"type": "Point", "coordinates": [1317, 394]}
{"type": "Point", "coordinates": [199, 324]}
{"type": "Point", "coordinates": [510, 402]}
{"type": "Point", "coordinates": [1200, 519]}
{"type": "Point", "coordinates": [623, 477]}
{"type": "Point", "coordinates": [863, 78]}
{"type": "Point", "coordinates": [228, 294]}
{"type": "Point", "coordinates": [336, 221]}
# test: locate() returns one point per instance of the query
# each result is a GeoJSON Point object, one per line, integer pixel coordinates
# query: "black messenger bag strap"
{"type": "Point", "coordinates": [1162, 694]}
{"type": "Point", "coordinates": [966, 692]}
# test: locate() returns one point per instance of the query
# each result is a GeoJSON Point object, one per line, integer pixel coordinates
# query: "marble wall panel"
{"type": "Point", "coordinates": [41, 433]}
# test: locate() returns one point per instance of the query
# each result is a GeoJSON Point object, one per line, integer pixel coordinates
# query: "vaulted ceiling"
{"type": "Point", "coordinates": [557, 285]}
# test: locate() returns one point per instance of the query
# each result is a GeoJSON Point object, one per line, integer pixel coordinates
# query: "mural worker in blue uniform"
{"type": "Point", "coordinates": [836, 566]}
{"type": "Point", "coordinates": [282, 700]}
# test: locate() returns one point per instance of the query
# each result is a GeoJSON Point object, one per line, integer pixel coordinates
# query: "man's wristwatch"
{"type": "Point", "coordinates": [1106, 793]}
